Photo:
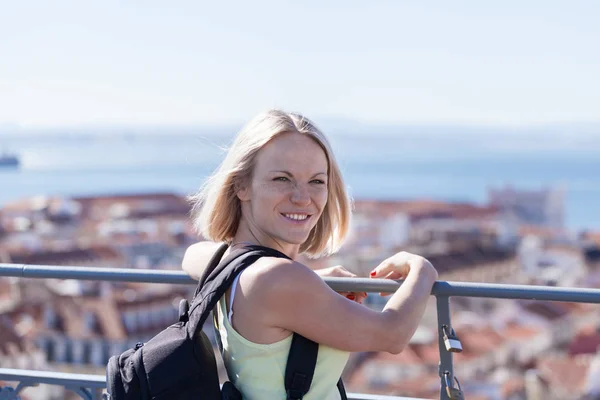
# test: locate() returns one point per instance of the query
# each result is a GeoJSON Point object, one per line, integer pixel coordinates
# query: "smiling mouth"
{"type": "Point", "coordinates": [296, 217]}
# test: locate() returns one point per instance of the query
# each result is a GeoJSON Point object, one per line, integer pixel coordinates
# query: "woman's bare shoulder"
{"type": "Point", "coordinates": [197, 257]}
{"type": "Point", "coordinates": [275, 275]}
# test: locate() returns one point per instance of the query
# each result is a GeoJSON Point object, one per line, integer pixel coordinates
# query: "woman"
{"type": "Point", "coordinates": [280, 186]}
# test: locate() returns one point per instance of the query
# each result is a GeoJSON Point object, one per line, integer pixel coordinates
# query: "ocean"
{"type": "Point", "coordinates": [375, 166]}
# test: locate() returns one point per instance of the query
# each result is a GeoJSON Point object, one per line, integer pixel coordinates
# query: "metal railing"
{"type": "Point", "coordinates": [89, 387]}
{"type": "Point", "coordinates": [441, 290]}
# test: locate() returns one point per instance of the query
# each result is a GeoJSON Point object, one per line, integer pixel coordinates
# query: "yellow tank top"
{"type": "Point", "coordinates": [258, 370]}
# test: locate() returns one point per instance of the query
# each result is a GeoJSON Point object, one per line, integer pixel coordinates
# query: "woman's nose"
{"type": "Point", "coordinates": [300, 195]}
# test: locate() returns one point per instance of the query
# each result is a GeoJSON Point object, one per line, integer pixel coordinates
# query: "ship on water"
{"type": "Point", "coordinates": [9, 160]}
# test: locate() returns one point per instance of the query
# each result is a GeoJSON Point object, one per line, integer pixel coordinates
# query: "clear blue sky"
{"type": "Point", "coordinates": [190, 62]}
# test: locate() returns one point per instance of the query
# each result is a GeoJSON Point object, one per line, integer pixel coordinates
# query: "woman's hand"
{"type": "Point", "coordinates": [338, 271]}
{"type": "Point", "coordinates": [401, 264]}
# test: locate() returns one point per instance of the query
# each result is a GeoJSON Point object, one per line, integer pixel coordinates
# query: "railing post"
{"type": "Point", "coordinates": [446, 366]}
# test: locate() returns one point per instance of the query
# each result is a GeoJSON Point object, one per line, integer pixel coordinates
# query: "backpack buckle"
{"type": "Point", "coordinates": [298, 387]}
{"type": "Point", "coordinates": [293, 394]}
{"type": "Point", "coordinates": [184, 307]}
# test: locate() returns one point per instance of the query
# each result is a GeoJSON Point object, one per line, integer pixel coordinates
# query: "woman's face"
{"type": "Point", "coordinates": [287, 191]}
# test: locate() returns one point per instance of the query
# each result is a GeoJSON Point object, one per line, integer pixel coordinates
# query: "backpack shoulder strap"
{"type": "Point", "coordinates": [212, 264]}
{"type": "Point", "coordinates": [300, 367]}
{"type": "Point", "coordinates": [220, 279]}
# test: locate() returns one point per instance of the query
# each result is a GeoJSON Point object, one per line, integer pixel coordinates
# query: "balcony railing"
{"type": "Point", "coordinates": [88, 386]}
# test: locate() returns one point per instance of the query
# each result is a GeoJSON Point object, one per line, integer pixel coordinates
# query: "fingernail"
{"type": "Point", "coordinates": [351, 297]}
{"type": "Point", "coordinates": [373, 273]}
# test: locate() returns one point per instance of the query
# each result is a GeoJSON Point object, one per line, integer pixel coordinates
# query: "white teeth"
{"type": "Point", "coordinates": [297, 217]}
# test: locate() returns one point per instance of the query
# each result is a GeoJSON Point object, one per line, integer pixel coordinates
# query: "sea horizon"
{"type": "Point", "coordinates": [406, 166]}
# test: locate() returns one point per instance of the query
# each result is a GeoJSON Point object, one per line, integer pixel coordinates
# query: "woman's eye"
{"type": "Point", "coordinates": [319, 181]}
{"type": "Point", "coordinates": [281, 178]}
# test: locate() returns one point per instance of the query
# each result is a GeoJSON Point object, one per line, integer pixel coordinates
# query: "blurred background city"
{"type": "Point", "coordinates": [467, 132]}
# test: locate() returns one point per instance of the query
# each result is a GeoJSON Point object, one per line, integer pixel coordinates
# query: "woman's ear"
{"type": "Point", "coordinates": [243, 193]}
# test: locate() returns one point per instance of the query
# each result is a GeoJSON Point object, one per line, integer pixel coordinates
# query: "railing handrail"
{"type": "Point", "coordinates": [54, 378]}
{"type": "Point", "coordinates": [72, 380]}
{"type": "Point", "coordinates": [440, 288]}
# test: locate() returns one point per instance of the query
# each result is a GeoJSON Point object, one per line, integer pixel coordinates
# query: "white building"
{"type": "Point", "coordinates": [544, 207]}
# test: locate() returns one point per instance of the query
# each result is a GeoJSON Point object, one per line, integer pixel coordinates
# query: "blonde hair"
{"type": "Point", "coordinates": [216, 210]}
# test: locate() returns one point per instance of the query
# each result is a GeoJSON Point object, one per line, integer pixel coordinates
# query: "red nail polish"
{"type": "Point", "coordinates": [373, 273]}
{"type": "Point", "coordinates": [351, 297]}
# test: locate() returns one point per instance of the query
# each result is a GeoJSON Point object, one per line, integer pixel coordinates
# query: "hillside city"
{"type": "Point", "coordinates": [512, 349]}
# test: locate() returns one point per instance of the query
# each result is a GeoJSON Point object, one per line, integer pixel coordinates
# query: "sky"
{"type": "Point", "coordinates": [184, 63]}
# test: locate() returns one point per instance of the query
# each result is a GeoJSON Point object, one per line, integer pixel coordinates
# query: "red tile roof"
{"type": "Point", "coordinates": [137, 204]}
{"type": "Point", "coordinates": [592, 237]}
{"type": "Point", "coordinates": [72, 256]}
{"type": "Point", "coordinates": [585, 344]}
{"type": "Point", "coordinates": [566, 373]}
{"type": "Point", "coordinates": [6, 290]}
{"type": "Point", "coordinates": [425, 208]}
{"type": "Point", "coordinates": [549, 310]}
{"type": "Point", "coordinates": [519, 332]}
{"type": "Point", "coordinates": [106, 312]}
{"type": "Point", "coordinates": [10, 341]}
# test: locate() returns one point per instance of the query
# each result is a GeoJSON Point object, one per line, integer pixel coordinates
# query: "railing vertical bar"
{"type": "Point", "coordinates": [446, 365]}
{"type": "Point", "coordinates": [84, 393]}
{"type": "Point", "coordinates": [21, 386]}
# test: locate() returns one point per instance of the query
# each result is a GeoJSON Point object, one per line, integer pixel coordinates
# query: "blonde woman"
{"type": "Point", "coordinates": [280, 187]}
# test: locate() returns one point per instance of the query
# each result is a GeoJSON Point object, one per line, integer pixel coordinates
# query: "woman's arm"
{"type": "Point", "coordinates": [292, 297]}
{"type": "Point", "coordinates": [406, 307]}
{"type": "Point", "coordinates": [199, 254]}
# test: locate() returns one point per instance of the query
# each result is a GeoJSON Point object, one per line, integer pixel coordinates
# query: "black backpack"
{"type": "Point", "coordinates": [179, 362]}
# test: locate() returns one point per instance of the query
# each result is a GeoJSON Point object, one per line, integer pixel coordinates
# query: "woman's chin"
{"type": "Point", "coordinates": [294, 240]}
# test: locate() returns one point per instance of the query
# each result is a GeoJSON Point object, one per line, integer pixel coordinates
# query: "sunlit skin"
{"type": "Point", "coordinates": [281, 203]}
{"type": "Point", "coordinates": [286, 194]}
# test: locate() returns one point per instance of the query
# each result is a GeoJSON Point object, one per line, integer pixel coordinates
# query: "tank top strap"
{"type": "Point", "coordinates": [232, 295]}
